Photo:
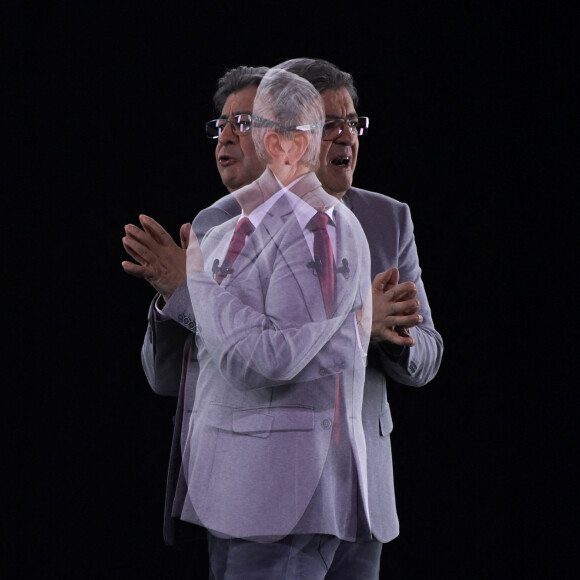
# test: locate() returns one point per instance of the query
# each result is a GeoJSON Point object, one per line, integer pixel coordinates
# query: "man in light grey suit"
{"type": "Point", "coordinates": [405, 346]}
{"type": "Point", "coordinates": [276, 446]}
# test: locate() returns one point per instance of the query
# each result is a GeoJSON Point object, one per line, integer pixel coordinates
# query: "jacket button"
{"type": "Point", "coordinates": [326, 424]}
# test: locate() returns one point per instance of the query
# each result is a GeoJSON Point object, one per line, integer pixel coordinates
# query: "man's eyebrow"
{"type": "Point", "coordinates": [349, 116]}
{"type": "Point", "coordinates": [235, 114]}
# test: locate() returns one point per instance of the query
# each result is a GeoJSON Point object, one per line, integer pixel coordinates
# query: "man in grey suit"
{"type": "Point", "coordinates": [275, 459]}
{"type": "Point", "coordinates": [405, 346]}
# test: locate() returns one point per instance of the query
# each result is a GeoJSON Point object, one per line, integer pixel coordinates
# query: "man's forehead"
{"type": "Point", "coordinates": [240, 102]}
{"type": "Point", "coordinates": [338, 104]}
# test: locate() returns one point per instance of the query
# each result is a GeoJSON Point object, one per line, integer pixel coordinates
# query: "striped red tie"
{"type": "Point", "coordinates": [243, 228]}
{"type": "Point", "coordinates": [324, 260]}
{"type": "Point", "coordinates": [324, 263]}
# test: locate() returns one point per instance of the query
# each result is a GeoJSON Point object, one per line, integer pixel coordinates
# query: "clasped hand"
{"type": "Point", "coordinates": [395, 310]}
{"type": "Point", "coordinates": [159, 259]}
{"type": "Point", "coordinates": [165, 266]}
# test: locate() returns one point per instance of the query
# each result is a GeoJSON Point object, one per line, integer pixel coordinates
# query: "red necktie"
{"type": "Point", "coordinates": [324, 264]}
{"type": "Point", "coordinates": [243, 228]}
{"type": "Point", "coordinates": [324, 260]}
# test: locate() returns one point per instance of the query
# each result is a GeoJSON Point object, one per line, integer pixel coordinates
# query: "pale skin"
{"type": "Point", "coordinates": [161, 262]}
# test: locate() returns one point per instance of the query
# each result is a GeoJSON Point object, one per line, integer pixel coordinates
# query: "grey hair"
{"type": "Point", "coordinates": [285, 101]}
{"type": "Point", "coordinates": [237, 79]}
{"type": "Point", "coordinates": [323, 75]}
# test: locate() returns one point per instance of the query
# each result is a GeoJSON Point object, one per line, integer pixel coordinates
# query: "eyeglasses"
{"type": "Point", "coordinates": [262, 122]}
{"type": "Point", "coordinates": [240, 125]}
{"type": "Point", "coordinates": [334, 127]}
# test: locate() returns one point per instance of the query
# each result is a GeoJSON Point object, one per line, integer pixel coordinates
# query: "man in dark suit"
{"type": "Point", "coordinates": [405, 346]}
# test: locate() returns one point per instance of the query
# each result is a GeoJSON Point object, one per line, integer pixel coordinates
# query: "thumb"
{"type": "Point", "coordinates": [194, 257]}
{"type": "Point", "coordinates": [184, 235]}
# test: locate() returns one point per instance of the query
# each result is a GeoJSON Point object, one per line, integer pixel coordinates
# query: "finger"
{"type": "Point", "coordinates": [404, 307]}
{"type": "Point", "coordinates": [407, 321]}
{"type": "Point", "coordinates": [133, 269]}
{"type": "Point", "coordinates": [194, 260]}
{"type": "Point", "coordinates": [143, 238]}
{"type": "Point", "coordinates": [156, 230]}
{"type": "Point", "coordinates": [137, 251]}
{"type": "Point", "coordinates": [184, 235]}
{"type": "Point", "coordinates": [400, 337]}
{"type": "Point", "coordinates": [404, 291]}
{"type": "Point", "coordinates": [192, 239]}
{"type": "Point", "coordinates": [384, 280]}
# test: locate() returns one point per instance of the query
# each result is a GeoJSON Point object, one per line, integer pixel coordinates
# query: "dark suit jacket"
{"type": "Point", "coordinates": [388, 227]}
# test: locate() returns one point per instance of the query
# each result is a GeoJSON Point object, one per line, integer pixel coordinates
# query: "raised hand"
{"type": "Point", "coordinates": [395, 310]}
{"type": "Point", "coordinates": [159, 259]}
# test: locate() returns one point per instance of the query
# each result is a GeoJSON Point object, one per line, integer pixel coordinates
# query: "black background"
{"type": "Point", "coordinates": [471, 124]}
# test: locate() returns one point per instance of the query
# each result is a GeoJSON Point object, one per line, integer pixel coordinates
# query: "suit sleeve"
{"type": "Point", "coordinates": [172, 333]}
{"type": "Point", "coordinates": [162, 351]}
{"type": "Point", "coordinates": [253, 351]}
{"type": "Point", "coordinates": [417, 365]}
{"type": "Point", "coordinates": [270, 340]}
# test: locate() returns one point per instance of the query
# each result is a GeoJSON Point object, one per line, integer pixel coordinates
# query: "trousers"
{"type": "Point", "coordinates": [296, 557]}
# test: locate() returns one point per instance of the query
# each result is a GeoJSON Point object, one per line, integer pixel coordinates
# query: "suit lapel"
{"type": "Point", "coordinates": [215, 244]}
{"type": "Point", "coordinates": [346, 266]}
{"type": "Point", "coordinates": [280, 228]}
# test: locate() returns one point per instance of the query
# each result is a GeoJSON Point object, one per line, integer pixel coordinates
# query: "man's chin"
{"type": "Point", "coordinates": [338, 187]}
{"type": "Point", "coordinates": [229, 178]}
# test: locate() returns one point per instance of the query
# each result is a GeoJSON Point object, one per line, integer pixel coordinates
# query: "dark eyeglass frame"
{"type": "Point", "coordinates": [240, 124]}
{"type": "Point", "coordinates": [334, 127]}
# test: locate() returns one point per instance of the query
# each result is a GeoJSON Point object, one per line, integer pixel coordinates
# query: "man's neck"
{"type": "Point", "coordinates": [286, 174]}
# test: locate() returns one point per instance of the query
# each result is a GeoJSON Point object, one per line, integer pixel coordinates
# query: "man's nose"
{"type": "Point", "coordinates": [227, 135]}
{"type": "Point", "coordinates": [346, 136]}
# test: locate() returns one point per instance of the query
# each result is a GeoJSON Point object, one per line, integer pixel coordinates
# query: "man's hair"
{"type": "Point", "coordinates": [237, 79]}
{"type": "Point", "coordinates": [323, 75]}
{"type": "Point", "coordinates": [285, 101]}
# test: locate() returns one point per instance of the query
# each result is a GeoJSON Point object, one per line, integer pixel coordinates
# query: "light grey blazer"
{"type": "Point", "coordinates": [268, 355]}
{"type": "Point", "coordinates": [168, 349]}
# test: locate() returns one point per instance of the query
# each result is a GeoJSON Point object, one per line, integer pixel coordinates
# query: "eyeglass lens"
{"type": "Point", "coordinates": [334, 127]}
{"type": "Point", "coordinates": [239, 124]}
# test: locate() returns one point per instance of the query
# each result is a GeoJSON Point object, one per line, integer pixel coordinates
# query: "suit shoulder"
{"type": "Point", "coordinates": [363, 197]}
{"type": "Point", "coordinates": [371, 208]}
{"type": "Point", "coordinates": [219, 212]}
{"type": "Point", "coordinates": [226, 204]}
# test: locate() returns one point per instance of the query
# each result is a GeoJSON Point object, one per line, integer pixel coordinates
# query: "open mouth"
{"type": "Point", "coordinates": [225, 160]}
{"type": "Point", "coordinates": [341, 161]}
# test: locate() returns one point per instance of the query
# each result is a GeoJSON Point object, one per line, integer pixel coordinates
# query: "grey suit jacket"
{"type": "Point", "coordinates": [388, 227]}
{"type": "Point", "coordinates": [268, 355]}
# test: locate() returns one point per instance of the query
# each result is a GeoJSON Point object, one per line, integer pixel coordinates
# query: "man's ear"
{"type": "Point", "coordinates": [290, 150]}
{"type": "Point", "coordinates": [273, 144]}
{"type": "Point", "coordinates": [296, 147]}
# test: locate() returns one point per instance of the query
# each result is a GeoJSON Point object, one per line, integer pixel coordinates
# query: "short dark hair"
{"type": "Point", "coordinates": [323, 75]}
{"type": "Point", "coordinates": [237, 79]}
